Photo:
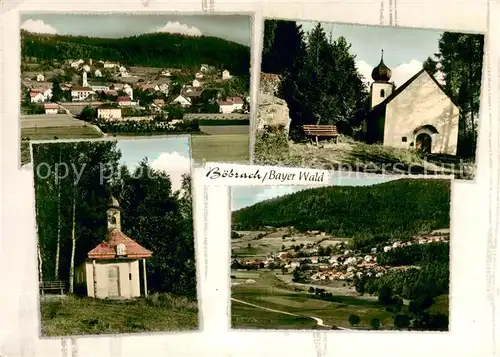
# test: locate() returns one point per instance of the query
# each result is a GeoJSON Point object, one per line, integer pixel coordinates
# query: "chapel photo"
{"type": "Point", "coordinates": [116, 248]}
{"type": "Point", "coordinates": [370, 99]}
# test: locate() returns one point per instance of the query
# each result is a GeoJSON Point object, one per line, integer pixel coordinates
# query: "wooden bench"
{"type": "Point", "coordinates": [52, 285]}
{"type": "Point", "coordinates": [321, 131]}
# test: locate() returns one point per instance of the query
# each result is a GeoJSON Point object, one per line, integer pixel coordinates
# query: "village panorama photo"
{"type": "Point", "coordinates": [89, 76]}
{"type": "Point", "coordinates": [378, 100]}
{"type": "Point", "coordinates": [366, 253]}
{"type": "Point", "coordinates": [115, 236]}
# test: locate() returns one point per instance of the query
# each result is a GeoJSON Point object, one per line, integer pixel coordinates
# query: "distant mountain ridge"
{"type": "Point", "coordinates": [398, 208]}
{"type": "Point", "coordinates": [150, 50]}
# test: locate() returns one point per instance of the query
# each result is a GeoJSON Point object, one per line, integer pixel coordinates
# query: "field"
{"type": "Point", "coordinates": [273, 242]}
{"type": "Point", "coordinates": [82, 316]}
{"type": "Point", "coordinates": [269, 292]}
{"type": "Point", "coordinates": [221, 147]}
{"type": "Point", "coordinates": [350, 155]}
{"type": "Point", "coordinates": [223, 143]}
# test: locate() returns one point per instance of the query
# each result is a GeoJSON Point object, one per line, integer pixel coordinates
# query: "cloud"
{"type": "Point", "coordinates": [400, 74]}
{"type": "Point", "coordinates": [178, 28]}
{"type": "Point", "coordinates": [175, 165]}
{"type": "Point", "coordinates": [38, 26]}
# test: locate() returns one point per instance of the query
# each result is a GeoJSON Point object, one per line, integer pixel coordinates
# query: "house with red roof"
{"type": "Point", "coordinates": [112, 268]}
{"type": "Point", "coordinates": [230, 105]}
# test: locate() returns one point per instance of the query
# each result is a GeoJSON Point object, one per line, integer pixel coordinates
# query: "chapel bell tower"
{"type": "Point", "coordinates": [113, 214]}
{"type": "Point", "coordinates": [381, 88]}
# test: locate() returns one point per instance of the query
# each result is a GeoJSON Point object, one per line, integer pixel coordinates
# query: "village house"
{"type": "Point", "coordinates": [109, 111]}
{"type": "Point", "coordinates": [192, 95]}
{"type": "Point", "coordinates": [76, 64]}
{"type": "Point", "coordinates": [36, 97]}
{"type": "Point", "coordinates": [97, 88]}
{"type": "Point", "coordinates": [204, 68]}
{"type": "Point", "coordinates": [124, 101]}
{"type": "Point", "coordinates": [66, 86]}
{"type": "Point", "coordinates": [158, 103]}
{"type": "Point", "coordinates": [109, 65]}
{"type": "Point", "coordinates": [183, 101]}
{"type": "Point", "coordinates": [198, 75]}
{"type": "Point", "coordinates": [166, 73]}
{"type": "Point", "coordinates": [97, 73]}
{"type": "Point", "coordinates": [80, 94]}
{"type": "Point", "coordinates": [418, 114]}
{"type": "Point", "coordinates": [196, 83]}
{"type": "Point", "coordinates": [226, 75]}
{"type": "Point", "coordinates": [112, 267]}
{"type": "Point", "coordinates": [230, 105]}
{"type": "Point", "coordinates": [86, 68]}
{"type": "Point", "coordinates": [40, 77]}
{"type": "Point", "coordinates": [51, 108]}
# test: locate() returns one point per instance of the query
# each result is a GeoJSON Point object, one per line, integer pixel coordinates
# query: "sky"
{"type": "Point", "coordinates": [235, 28]}
{"type": "Point", "coordinates": [404, 49]}
{"type": "Point", "coordinates": [171, 155]}
{"type": "Point", "coordinates": [244, 196]}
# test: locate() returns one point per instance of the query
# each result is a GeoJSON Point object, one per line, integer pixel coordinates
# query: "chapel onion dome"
{"type": "Point", "coordinates": [113, 203]}
{"type": "Point", "coordinates": [381, 73]}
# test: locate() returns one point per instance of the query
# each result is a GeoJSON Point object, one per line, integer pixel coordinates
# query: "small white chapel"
{"type": "Point", "coordinates": [112, 268]}
{"type": "Point", "coordinates": [418, 114]}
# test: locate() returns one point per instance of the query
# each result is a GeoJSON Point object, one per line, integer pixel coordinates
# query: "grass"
{"type": "Point", "coordinates": [351, 155]}
{"type": "Point", "coordinates": [82, 316]}
{"type": "Point", "coordinates": [249, 317]}
{"type": "Point", "coordinates": [50, 133]}
{"type": "Point", "coordinates": [221, 148]}
{"type": "Point", "coordinates": [269, 292]}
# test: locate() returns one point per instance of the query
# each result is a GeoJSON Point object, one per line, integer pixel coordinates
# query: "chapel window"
{"type": "Point", "coordinates": [382, 93]}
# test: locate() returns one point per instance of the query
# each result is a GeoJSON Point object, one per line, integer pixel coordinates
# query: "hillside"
{"type": "Point", "coordinates": [149, 50]}
{"type": "Point", "coordinates": [399, 208]}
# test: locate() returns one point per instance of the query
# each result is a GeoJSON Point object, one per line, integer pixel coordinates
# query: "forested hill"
{"type": "Point", "coordinates": [393, 209]}
{"type": "Point", "coordinates": [149, 50]}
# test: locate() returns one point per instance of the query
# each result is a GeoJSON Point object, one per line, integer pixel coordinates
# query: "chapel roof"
{"type": "Point", "coordinates": [107, 248]}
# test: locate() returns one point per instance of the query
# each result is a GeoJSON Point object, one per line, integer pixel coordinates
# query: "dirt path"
{"type": "Point", "coordinates": [319, 321]}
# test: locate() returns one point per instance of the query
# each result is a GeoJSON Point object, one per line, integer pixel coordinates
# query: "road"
{"type": "Point", "coordinates": [319, 321]}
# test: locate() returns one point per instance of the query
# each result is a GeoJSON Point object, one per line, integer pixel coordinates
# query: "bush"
{"type": "Point", "coordinates": [354, 319]}
{"type": "Point", "coordinates": [385, 295]}
{"type": "Point", "coordinates": [401, 321]}
{"type": "Point", "coordinates": [375, 323]}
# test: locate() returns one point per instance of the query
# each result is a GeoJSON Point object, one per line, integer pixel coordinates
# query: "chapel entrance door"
{"type": "Point", "coordinates": [424, 142]}
{"type": "Point", "coordinates": [113, 281]}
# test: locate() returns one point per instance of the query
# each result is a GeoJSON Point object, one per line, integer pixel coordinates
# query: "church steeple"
{"type": "Point", "coordinates": [381, 73]}
{"type": "Point", "coordinates": [113, 213]}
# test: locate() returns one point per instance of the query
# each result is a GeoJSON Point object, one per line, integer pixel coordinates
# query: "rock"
{"type": "Point", "coordinates": [273, 115]}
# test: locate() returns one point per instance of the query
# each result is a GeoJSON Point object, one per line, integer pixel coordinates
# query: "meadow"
{"type": "Point", "coordinates": [269, 292]}
{"type": "Point", "coordinates": [72, 315]}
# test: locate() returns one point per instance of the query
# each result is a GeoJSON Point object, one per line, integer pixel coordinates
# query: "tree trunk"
{"type": "Point", "coordinates": [40, 262]}
{"type": "Point", "coordinates": [58, 247]}
{"type": "Point", "coordinates": [73, 248]}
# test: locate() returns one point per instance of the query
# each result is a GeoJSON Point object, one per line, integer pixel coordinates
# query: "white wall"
{"type": "Point", "coordinates": [422, 103]}
{"type": "Point", "coordinates": [376, 97]}
{"type": "Point", "coordinates": [128, 287]}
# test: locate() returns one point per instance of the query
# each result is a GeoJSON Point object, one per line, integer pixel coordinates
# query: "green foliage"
{"type": "Point", "coordinates": [375, 323]}
{"type": "Point", "coordinates": [320, 83]}
{"type": "Point", "coordinates": [401, 321]}
{"type": "Point", "coordinates": [354, 319]}
{"type": "Point", "coordinates": [460, 58]}
{"type": "Point", "coordinates": [33, 108]}
{"type": "Point", "coordinates": [88, 113]}
{"type": "Point", "coordinates": [416, 254]}
{"type": "Point", "coordinates": [370, 214]}
{"type": "Point", "coordinates": [385, 295]}
{"type": "Point", "coordinates": [150, 50]}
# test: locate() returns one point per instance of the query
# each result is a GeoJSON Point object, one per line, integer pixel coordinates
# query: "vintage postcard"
{"type": "Point", "coordinates": [115, 236]}
{"type": "Point", "coordinates": [144, 75]}
{"type": "Point", "coordinates": [359, 254]}
{"type": "Point", "coordinates": [373, 99]}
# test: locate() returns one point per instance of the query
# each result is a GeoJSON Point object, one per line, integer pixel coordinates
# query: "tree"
{"type": "Point", "coordinates": [401, 321]}
{"type": "Point", "coordinates": [430, 65]}
{"type": "Point", "coordinates": [460, 60]}
{"type": "Point", "coordinates": [385, 295]}
{"type": "Point", "coordinates": [88, 113]}
{"type": "Point", "coordinates": [354, 319]}
{"type": "Point", "coordinates": [57, 92]}
{"type": "Point", "coordinates": [375, 323]}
